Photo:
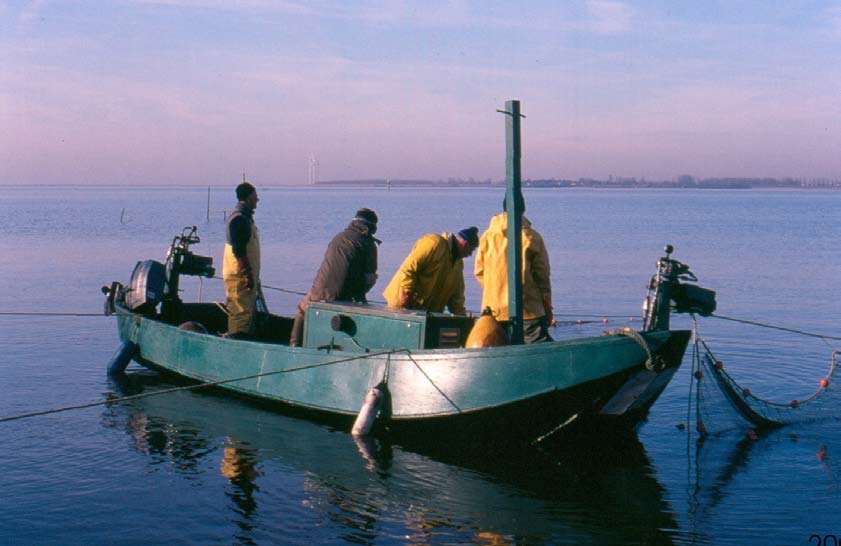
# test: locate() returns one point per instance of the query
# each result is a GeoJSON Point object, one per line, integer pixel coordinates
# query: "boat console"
{"type": "Point", "coordinates": [368, 327]}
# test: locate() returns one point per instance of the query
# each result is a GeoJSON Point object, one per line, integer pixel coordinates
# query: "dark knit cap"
{"type": "Point", "coordinates": [367, 215]}
{"type": "Point", "coordinates": [244, 191]}
{"type": "Point", "coordinates": [471, 235]}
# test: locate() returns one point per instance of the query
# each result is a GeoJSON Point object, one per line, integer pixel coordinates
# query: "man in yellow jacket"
{"type": "Point", "coordinates": [491, 271]}
{"type": "Point", "coordinates": [432, 275]}
{"type": "Point", "coordinates": [241, 263]}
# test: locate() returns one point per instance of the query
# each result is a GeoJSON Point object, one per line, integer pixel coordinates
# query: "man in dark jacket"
{"type": "Point", "coordinates": [348, 271]}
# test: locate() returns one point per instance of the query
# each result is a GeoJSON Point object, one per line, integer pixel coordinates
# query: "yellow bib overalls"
{"type": "Point", "coordinates": [241, 300]}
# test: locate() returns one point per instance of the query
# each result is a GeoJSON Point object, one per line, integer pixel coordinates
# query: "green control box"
{"type": "Point", "coordinates": [353, 327]}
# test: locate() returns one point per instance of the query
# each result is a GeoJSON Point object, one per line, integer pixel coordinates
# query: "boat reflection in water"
{"type": "Point", "coordinates": [292, 478]}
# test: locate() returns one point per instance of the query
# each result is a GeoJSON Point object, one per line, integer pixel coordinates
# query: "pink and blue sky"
{"type": "Point", "coordinates": [200, 91]}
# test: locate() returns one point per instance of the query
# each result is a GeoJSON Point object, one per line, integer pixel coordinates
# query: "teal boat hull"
{"type": "Point", "coordinates": [522, 390]}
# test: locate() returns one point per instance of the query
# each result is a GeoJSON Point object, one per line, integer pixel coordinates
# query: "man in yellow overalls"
{"type": "Point", "coordinates": [241, 263]}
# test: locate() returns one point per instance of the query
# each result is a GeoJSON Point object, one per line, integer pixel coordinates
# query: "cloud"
{"type": "Point", "coordinates": [30, 15]}
{"type": "Point", "coordinates": [833, 17]}
{"type": "Point", "coordinates": [608, 17]}
{"type": "Point", "coordinates": [446, 13]}
{"type": "Point", "coordinates": [439, 13]}
{"type": "Point", "coordinates": [432, 14]}
{"type": "Point", "coordinates": [265, 114]}
{"type": "Point", "coordinates": [204, 102]}
{"type": "Point", "coordinates": [265, 6]}
{"type": "Point", "coordinates": [707, 129]}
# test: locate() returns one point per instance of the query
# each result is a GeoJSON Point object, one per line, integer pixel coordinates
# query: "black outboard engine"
{"type": "Point", "coordinates": [665, 288]}
{"type": "Point", "coordinates": [153, 283]}
{"type": "Point", "coordinates": [181, 260]}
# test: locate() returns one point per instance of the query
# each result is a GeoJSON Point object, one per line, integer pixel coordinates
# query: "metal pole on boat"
{"type": "Point", "coordinates": [514, 206]}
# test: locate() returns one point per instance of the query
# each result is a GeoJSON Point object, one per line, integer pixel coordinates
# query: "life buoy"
{"type": "Point", "coordinates": [486, 332]}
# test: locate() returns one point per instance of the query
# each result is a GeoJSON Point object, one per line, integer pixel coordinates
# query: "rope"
{"type": "Point", "coordinates": [284, 290]}
{"type": "Point", "coordinates": [478, 313]}
{"type": "Point", "coordinates": [763, 325]}
{"type": "Point", "coordinates": [49, 314]}
{"type": "Point", "coordinates": [202, 385]}
{"type": "Point", "coordinates": [187, 387]}
{"type": "Point", "coordinates": [387, 369]}
{"type": "Point", "coordinates": [692, 386]}
{"type": "Point", "coordinates": [296, 292]}
{"type": "Point", "coordinates": [564, 323]}
{"type": "Point", "coordinates": [540, 439]}
{"type": "Point", "coordinates": [409, 354]}
{"type": "Point", "coordinates": [593, 316]}
{"type": "Point", "coordinates": [697, 376]}
{"type": "Point", "coordinates": [633, 334]}
{"type": "Point", "coordinates": [561, 323]}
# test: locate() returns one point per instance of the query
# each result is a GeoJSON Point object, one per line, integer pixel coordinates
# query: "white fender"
{"type": "Point", "coordinates": [368, 413]}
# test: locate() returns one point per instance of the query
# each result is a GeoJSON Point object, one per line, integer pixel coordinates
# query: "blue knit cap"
{"type": "Point", "coordinates": [471, 235]}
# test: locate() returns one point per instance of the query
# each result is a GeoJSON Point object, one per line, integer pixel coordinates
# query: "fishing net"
{"type": "Point", "coordinates": [763, 412]}
{"type": "Point", "coordinates": [720, 401]}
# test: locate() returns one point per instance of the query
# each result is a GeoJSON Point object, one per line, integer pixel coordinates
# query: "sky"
{"type": "Point", "coordinates": [200, 91]}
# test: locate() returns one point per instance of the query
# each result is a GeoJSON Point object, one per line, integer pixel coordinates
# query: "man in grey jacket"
{"type": "Point", "coordinates": [348, 271]}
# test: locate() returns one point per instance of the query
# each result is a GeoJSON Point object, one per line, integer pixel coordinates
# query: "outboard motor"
{"type": "Point", "coordinates": [665, 288]}
{"type": "Point", "coordinates": [153, 283]}
{"type": "Point", "coordinates": [146, 287]}
{"type": "Point", "coordinates": [182, 261]}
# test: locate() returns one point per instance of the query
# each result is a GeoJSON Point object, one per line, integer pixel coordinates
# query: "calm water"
{"type": "Point", "coordinates": [192, 468]}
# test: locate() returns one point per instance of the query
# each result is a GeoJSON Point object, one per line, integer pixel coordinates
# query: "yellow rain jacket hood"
{"type": "Point", "coordinates": [492, 269]}
{"type": "Point", "coordinates": [431, 277]}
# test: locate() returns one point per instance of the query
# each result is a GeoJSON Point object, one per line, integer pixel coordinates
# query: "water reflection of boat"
{"type": "Point", "coordinates": [421, 493]}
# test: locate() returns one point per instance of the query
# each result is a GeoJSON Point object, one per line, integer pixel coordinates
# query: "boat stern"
{"type": "Point", "coordinates": [643, 387]}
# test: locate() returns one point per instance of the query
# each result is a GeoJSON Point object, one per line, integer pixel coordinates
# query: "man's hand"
{"type": "Point", "coordinates": [405, 300]}
{"type": "Point", "coordinates": [370, 281]}
{"type": "Point", "coordinates": [550, 316]}
{"type": "Point", "coordinates": [245, 271]}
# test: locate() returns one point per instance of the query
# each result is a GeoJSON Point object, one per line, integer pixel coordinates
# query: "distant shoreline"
{"type": "Point", "coordinates": [684, 182]}
{"type": "Point", "coordinates": [712, 184]}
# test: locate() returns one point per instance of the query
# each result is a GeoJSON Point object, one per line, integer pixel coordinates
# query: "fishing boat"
{"type": "Point", "coordinates": [409, 371]}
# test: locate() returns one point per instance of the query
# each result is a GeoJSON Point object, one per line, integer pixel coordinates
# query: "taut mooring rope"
{"type": "Point", "coordinates": [189, 387]}
{"type": "Point", "coordinates": [49, 314]}
{"type": "Point", "coordinates": [763, 325]}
